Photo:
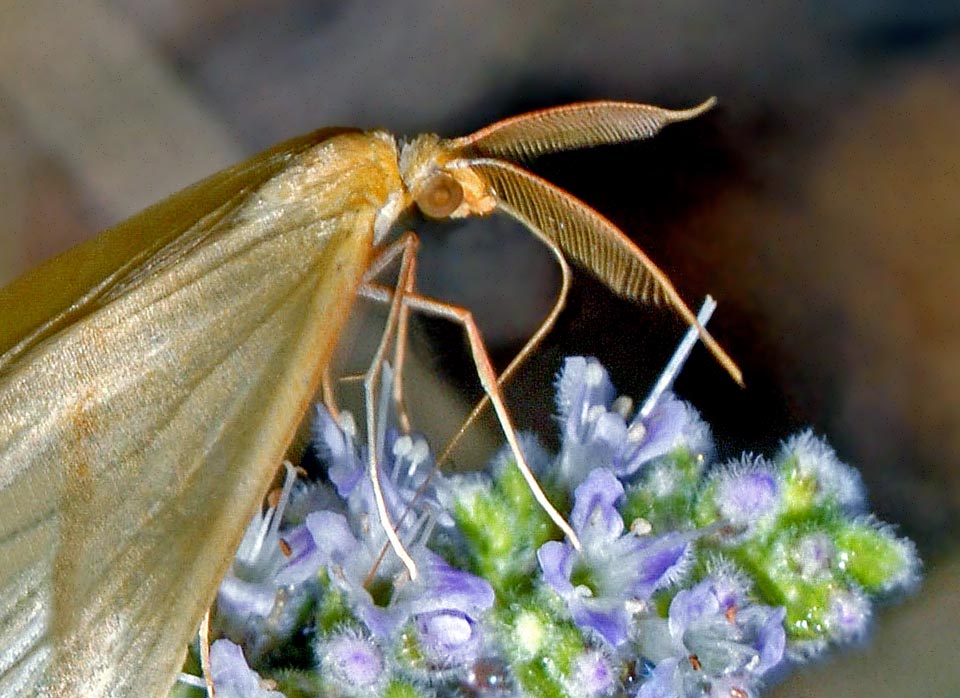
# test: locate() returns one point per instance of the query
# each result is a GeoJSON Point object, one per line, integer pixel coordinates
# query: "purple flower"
{"type": "Point", "coordinates": [326, 537]}
{"type": "Point", "coordinates": [848, 616]}
{"type": "Point", "coordinates": [353, 664]}
{"type": "Point", "coordinates": [592, 674]}
{"type": "Point", "coordinates": [335, 443]}
{"type": "Point", "coordinates": [582, 384]}
{"type": "Point", "coordinates": [712, 641]}
{"type": "Point", "coordinates": [748, 495]}
{"type": "Point", "coordinates": [595, 433]}
{"type": "Point", "coordinates": [614, 569]}
{"type": "Point", "coordinates": [247, 606]}
{"type": "Point", "coordinates": [444, 604]}
{"type": "Point", "coordinates": [672, 423]}
{"type": "Point", "coordinates": [326, 541]}
{"type": "Point", "coordinates": [813, 459]}
{"type": "Point", "coordinates": [591, 434]}
{"type": "Point", "coordinates": [405, 462]}
{"type": "Point", "coordinates": [231, 676]}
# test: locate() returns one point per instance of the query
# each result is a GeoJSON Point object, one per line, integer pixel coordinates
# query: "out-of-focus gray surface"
{"type": "Point", "coordinates": [819, 203]}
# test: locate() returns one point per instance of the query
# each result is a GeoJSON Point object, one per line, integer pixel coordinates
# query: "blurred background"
{"type": "Point", "coordinates": [819, 203]}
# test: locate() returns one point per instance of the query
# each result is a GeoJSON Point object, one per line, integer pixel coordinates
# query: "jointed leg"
{"type": "Point", "coordinates": [488, 379]}
{"type": "Point", "coordinates": [405, 248]}
{"type": "Point", "coordinates": [205, 653]}
{"type": "Point", "coordinates": [548, 323]}
{"type": "Point", "coordinates": [328, 394]}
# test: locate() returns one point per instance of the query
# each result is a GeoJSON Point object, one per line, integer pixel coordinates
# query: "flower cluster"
{"type": "Point", "coordinates": [689, 578]}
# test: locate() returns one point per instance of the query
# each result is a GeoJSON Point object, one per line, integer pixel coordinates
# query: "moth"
{"type": "Point", "coordinates": [152, 378]}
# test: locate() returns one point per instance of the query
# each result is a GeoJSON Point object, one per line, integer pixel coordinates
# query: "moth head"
{"type": "Point", "coordinates": [440, 182]}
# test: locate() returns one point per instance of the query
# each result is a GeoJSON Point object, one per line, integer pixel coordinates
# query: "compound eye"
{"type": "Point", "coordinates": [440, 195]}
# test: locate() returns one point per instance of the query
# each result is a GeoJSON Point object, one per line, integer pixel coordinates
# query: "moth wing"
{"type": "Point", "coordinates": [137, 440]}
{"type": "Point", "coordinates": [54, 294]}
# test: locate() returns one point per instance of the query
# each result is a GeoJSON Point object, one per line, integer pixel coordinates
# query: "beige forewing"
{"type": "Point", "coordinates": [64, 288]}
{"type": "Point", "coordinates": [137, 440]}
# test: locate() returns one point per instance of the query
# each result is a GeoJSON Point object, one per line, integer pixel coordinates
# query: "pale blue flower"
{"type": "Point", "coordinates": [613, 569]}
{"type": "Point", "coordinates": [835, 481]}
{"type": "Point", "coordinates": [671, 423]}
{"type": "Point", "coordinates": [591, 434]}
{"type": "Point", "coordinates": [589, 624]}
{"type": "Point", "coordinates": [713, 639]}
{"type": "Point", "coordinates": [247, 599]}
{"type": "Point", "coordinates": [405, 464]}
{"type": "Point", "coordinates": [353, 665]}
{"type": "Point", "coordinates": [593, 674]}
{"type": "Point", "coordinates": [444, 604]}
{"type": "Point", "coordinates": [232, 677]}
{"type": "Point", "coordinates": [595, 431]}
{"type": "Point", "coordinates": [748, 496]}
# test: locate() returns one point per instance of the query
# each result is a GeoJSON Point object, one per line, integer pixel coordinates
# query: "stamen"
{"type": "Point", "coordinates": [401, 450]}
{"type": "Point", "coordinates": [191, 680]}
{"type": "Point", "coordinates": [402, 446]}
{"type": "Point", "coordinates": [678, 359]}
{"type": "Point", "coordinates": [348, 424]}
{"type": "Point", "coordinates": [423, 529]}
{"type": "Point", "coordinates": [289, 478]}
{"type": "Point", "coordinates": [595, 412]}
{"type": "Point", "coordinates": [429, 525]}
{"type": "Point", "coordinates": [640, 527]}
{"type": "Point", "coordinates": [270, 525]}
{"type": "Point", "coordinates": [593, 375]}
{"type": "Point", "coordinates": [623, 406]}
{"type": "Point", "coordinates": [636, 432]}
{"type": "Point", "coordinates": [418, 456]}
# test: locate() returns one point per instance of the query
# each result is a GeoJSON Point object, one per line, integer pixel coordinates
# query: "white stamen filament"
{"type": "Point", "coordinates": [401, 450]}
{"type": "Point", "coordinates": [419, 455]}
{"type": "Point", "coordinates": [678, 359]}
{"type": "Point", "coordinates": [348, 424]}
{"type": "Point", "coordinates": [270, 525]}
{"type": "Point", "coordinates": [191, 680]}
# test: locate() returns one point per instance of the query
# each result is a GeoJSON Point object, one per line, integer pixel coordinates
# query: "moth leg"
{"type": "Point", "coordinates": [405, 248]}
{"type": "Point", "coordinates": [528, 348]}
{"type": "Point", "coordinates": [412, 246]}
{"type": "Point", "coordinates": [205, 652]}
{"type": "Point", "coordinates": [328, 394]}
{"type": "Point", "coordinates": [488, 379]}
